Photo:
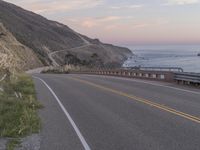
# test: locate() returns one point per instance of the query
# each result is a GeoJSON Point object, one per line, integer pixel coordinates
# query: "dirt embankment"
{"type": "Point", "coordinates": [13, 54]}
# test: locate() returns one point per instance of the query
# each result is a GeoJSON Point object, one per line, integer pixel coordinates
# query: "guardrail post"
{"type": "Point", "coordinates": [143, 74]}
{"type": "Point", "coordinates": [147, 75]}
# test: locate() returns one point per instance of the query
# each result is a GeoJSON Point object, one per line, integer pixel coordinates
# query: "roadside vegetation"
{"type": "Point", "coordinates": [18, 108]}
{"type": "Point", "coordinates": [93, 62]}
{"type": "Point", "coordinates": [56, 70]}
{"type": "Point", "coordinates": [73, 63]}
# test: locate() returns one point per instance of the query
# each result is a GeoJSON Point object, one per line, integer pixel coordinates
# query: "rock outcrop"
{"type": "Point", "coordinates": [15, 55]}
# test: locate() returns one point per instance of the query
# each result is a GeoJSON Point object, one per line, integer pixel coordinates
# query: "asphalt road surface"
{"type": "Point", "coordinates": [83, 112]}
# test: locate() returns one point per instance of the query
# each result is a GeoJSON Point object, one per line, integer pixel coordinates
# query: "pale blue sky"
{"type": "Point", "coordinates": [125, 22]}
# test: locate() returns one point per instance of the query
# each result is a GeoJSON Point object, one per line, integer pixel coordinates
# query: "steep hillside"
{"type": "Point", "coordinates": [45, 37]}
{"type": "Point", "coordinates": [15, 55]}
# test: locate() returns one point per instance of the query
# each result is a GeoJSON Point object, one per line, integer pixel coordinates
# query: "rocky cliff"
{"type": "Point", "coordinates": [15, 55]}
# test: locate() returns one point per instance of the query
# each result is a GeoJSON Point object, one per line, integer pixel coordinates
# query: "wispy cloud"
{"type": "Point", "coordinates": [115, 27]}
{"type": "Point", "coordinates": [102, 21]}
{"type": "Point", "coordinates": [136, 25]}
{"type": "Point", "coordinates": [116, 23]}
{"type": "Point", "coordinates": [91, 22]}
{"type": "Point", "coordinates": [52, 6]}
{"type": "Point", "coordinates": [108, 18]}
{"type": "Point", "coordinates": [127, 7]}
{"type": "Point", "coordinates": [181, 2]}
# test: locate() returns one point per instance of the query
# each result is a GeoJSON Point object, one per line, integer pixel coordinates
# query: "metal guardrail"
{"type": "Point", "coordinates": [171, 69]}
{"type": "Point", "coordinates": [151, 73]}
{"type": "Point", "coordinates": [187, 78]}
{"type": "Point", "coordinates": [142, 74]}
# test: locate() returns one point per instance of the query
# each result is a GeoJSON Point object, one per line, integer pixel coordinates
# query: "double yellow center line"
{"type": "Point", "coordinates": [142, 100]}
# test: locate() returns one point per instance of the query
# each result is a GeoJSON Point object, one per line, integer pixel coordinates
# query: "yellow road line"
{"type": "Point", "coordinates": [144, 101]}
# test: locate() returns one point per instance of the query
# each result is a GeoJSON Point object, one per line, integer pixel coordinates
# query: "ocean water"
{"type": "Point", "coordinates": [184, 56]}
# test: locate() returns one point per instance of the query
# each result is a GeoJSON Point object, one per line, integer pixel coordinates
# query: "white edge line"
{"type": "Point", "coordinates": [80, 136]}
{"type": "Point", "coordinates": [133, 80]}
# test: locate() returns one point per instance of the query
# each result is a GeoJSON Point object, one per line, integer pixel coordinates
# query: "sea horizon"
{"type": "Point", "coordinates": [183, 56]}
{"type": "Point", "coordinates": [192, 47]}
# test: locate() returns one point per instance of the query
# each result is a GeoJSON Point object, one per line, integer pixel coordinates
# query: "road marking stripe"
{"type": "Point", "coordinates": [154, 84]}
{"type": "Point", "coordinates": [80, 136]}
{"type": "Point", "coordinates": [145, 101]}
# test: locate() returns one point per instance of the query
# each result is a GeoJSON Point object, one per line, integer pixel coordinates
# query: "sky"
{"type": "Point", "coordinates": [125, 22]}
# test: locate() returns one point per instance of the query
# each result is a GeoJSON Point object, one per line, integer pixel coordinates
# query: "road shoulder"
{"type": "Point", "coordinates": [57, 132]}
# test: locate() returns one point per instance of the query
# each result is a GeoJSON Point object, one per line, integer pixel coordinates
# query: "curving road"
{"type": "Point", "coordinates": [85, 112]}
{"type": "Point", "coordinates": [85, 44]}
{"type": "Point", "coordinates": [54, 63]}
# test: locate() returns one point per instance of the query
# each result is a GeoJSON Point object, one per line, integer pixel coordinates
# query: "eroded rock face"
{"type": "Point", "coordinates": [15, 55]}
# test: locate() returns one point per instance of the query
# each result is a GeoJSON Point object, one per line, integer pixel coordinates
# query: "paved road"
{"type": "Point", "coordinates": [86, 43]}
{"type": "Point", "coordinates": [38, 70]}
{"type": "Point", "coordinates": [54, 63]}
{"type": "Point", "coordinates": [108, 113]}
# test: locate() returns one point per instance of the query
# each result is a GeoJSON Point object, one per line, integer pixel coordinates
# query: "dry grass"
{"type": "Point", "coordinates": [18, 108]}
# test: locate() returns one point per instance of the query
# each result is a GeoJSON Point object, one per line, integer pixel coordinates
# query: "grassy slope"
{"type": "Point", "coordinates": [18, 108]}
